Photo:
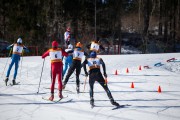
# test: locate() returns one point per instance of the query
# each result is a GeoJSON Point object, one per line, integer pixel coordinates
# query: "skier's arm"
{"type": "Point", "coordinates": [88, 46]}
{"type": "Point", "coordinates": [45, 54]}
{"type": "Point", "coordinates": [104, 67]}
{"type": "Point", "coordinates": [85, 54]}
{"type": "Point", "coordinates": [9, 47]}
{"type": "Point", "coordinates": [101, 47]}
{"type": "Point", "coordinates": [69, 50]}
{"type": "Point", "coordinates": [84, 66]}
{"type": "Point", "coordinates": [25, 48]}
{"type": "Point", "coordinates": [64, 53]}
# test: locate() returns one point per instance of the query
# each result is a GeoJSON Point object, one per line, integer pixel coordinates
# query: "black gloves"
{"type": "Point", "coordinates": [105, 75]}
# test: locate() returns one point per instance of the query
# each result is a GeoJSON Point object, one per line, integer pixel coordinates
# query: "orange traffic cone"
{"type": "Point", "coordinates": [139, 67]}
{"type": "Point", "coordinates": [127, 70]}
{"type": "Point", "coordinates": [159, 89]}
{"type": "Point", "coordinates": [116, 72]}
{"type": "Point", "coordinates": [132, 85]}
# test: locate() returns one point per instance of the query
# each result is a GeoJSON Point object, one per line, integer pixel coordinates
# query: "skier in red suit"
{"type": "Point", "coordinates": [56, 55]}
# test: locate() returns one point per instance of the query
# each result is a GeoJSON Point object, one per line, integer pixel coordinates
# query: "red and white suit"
{"type": "Point", "coordinates": [56, 65]}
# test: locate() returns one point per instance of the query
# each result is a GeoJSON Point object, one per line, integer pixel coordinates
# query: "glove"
{"type": "Point", "coordinates": [105, 75]}
{"type": "Point", "coordinates": [86, 74]}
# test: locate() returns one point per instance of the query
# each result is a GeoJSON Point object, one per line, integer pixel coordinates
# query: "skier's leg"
{"type": "Point", "coordinates": [16, 69]}
{"type": "Point", "coordinates": [10, 67]}
{"type": "Point", "coordinates": [8, 72]}
{"type": "Point", "coordinates": [70, 71]}
{"type": "Point", "coordinates": [60, 84]}
{"type": "Point", "coordinates": [91, 85]}
{"type": "Point", "coordinates": [65, 67]}
{"type": "Point", "coordinates": [78, 70]}
{"type": "Point", "coordinates": [108, 92]}
{"type": "Point", "coordinates": [53, 82]}
{"type": "Point", "coordinates": [91, 91]}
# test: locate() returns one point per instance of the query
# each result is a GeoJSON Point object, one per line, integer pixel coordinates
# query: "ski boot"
{"type": "Point", "coordinates": [92, 102]}
{"type": "Point", "coordinates": [60, 94]}
{"type": "Point", "coordinates": [14, 82]}
{"type": "Point", "coordinates": [51, 98]}
{"type": "Point", "coordinates": [77, 89]}
{"type": "Point", "coordinates": [114, 103]}
{"type": "Point", "coordinates": [6, 80]}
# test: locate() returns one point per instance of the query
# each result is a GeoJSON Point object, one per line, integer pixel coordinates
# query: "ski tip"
{"type": "Point", "coordinates": [120, 106]}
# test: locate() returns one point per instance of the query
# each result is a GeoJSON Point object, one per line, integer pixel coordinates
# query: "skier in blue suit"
{"type": "Point", "coordinates": [67, 61]}
{"type": "Point", "coordinates": [17, 49]}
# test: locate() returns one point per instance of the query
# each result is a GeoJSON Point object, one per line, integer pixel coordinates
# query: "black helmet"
{"type": "Point", "coordinates": [93, 54]}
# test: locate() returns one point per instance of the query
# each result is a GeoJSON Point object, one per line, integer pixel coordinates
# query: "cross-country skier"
{"type": "Point", "coordinates": [17, 49]}
{"type": "Point", "coordinates": [67, 36]}
{"type": "Point", "coordinates": [67, 61]}
{"type": "Point", "coordinates": [95, 74]}
{"type": "Point", "coordinates": [78, 53]}
{"type": "Point", "coordinates": [56, 54]}
{"type": "Point", "coordinates": [95, 46]}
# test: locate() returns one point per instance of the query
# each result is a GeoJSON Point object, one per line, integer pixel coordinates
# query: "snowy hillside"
{"type": "Point", "coordinates": [21, 102]}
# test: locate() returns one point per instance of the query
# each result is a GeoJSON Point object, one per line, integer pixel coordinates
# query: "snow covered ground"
{"type": "Point", "coordinates": [21, 102]}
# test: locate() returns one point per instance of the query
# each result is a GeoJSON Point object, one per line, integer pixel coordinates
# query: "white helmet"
{"type": "Point", "coordinates": [19, 40]}
{"type": "Point", "coordinates": [70, 46]}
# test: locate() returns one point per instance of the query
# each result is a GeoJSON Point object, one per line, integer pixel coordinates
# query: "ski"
{"type": "Point", "coordinates": [55, 101]}
{"type": "Point", "coordinates": [120, 106]}
{"type": "Point", "coordinates": [69, 91]}
{"type": "Point", "coordinates": [64, 90]}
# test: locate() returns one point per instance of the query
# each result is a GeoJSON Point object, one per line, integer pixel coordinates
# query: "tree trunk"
{"type": "Point", "coordinates": [178, 21]}
{"type": "Point", "coordinates": [74, 25]}
{"type": "Point", "coordinates": [174, 26]}
{"type": "Point", "coordinates": [165, 24]}
{"type": "Point", "coordinates": [160, 18]}
{"type": "Point", "coordinates": [146, 23]}
{"type": "Point", "coordinates": [118, 8]}
{"type": "Point", "coordinates": [178, 15]}
{"type": "Point", "coordinates": [119, 29]}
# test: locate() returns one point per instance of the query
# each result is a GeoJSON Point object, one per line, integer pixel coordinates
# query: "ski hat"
{"type": "Point", "coordinates": [70, 46]}
{"type": "Point", "coordinates": [93, 54]}
{"type": "Point", "coordinates": [19, 40]}
{"type": "Point", "coordinates": [54, 44]}
{"type": "Point", "coordinates": [96, 41]}
{"type": "Point", "coordinates": [68, 29]}
{"type": "Point", "coordinates": [78, 44]}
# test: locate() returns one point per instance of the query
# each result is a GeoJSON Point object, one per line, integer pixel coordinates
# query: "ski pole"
{"type": "Point", "coordinates": [21, 62]}
{"type": "Point", "coordinates": [105, 83]}
{"type": "Point", "coordinates": [6, 62]}
{"type": "Point", "coordinates": [41, 76]}
{"type": "Point", "coordinates": [85, 84]}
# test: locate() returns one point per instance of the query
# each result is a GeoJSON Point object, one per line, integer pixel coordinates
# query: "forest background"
{"type": "Point", "coordinates": [151, 26]}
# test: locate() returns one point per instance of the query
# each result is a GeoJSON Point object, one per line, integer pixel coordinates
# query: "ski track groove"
{"type": "Point", "coordinates": [55, 105]}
